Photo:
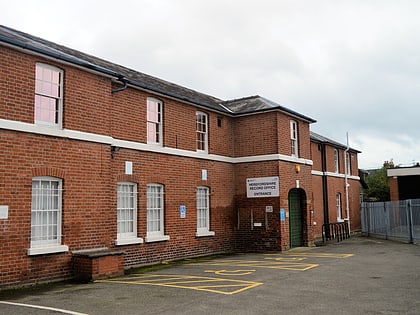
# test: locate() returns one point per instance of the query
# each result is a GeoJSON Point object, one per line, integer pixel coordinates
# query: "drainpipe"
{"type": "Point", "coordinates": [124, 81]}
{"type": "Point", "coordinates": [346, 181]}
{"type": "Point", "coordinates": [324, 184]}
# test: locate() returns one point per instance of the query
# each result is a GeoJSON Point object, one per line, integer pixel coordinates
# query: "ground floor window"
{"type": "Point", "coordinates": [203, 212]}
{"type": "Point", "coordinates": [46, 215]}
{"type": "Point", "coordinates": [339, 209]}
{"type": "Point", "coordinates": [127, 214]}
{"type": "Point", "coordinates": [155, 213]}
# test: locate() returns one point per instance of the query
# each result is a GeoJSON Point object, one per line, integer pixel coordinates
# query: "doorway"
{"type": "Point", "coordinates": [297, 214]}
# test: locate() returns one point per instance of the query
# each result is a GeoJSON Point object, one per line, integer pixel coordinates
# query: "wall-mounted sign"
{"type": "Point", "coordinates": [282, 216]}
{"type": "Point", "coordinates": [182, 211]}
{"type": "Point", "coordinates": [129, 168]}
{"type": "Point", "coordinates": [262, 187]}
{"type": "Point", "coordinates": [4, 212]}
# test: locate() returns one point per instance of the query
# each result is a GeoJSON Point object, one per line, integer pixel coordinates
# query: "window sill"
{"type": "Point", "coordinates": [205, 233]}
{"type": "Point", "coordinates": [159, 238]}
{"type": "Point", "coordinates": [128, 241]}
{"type": "Point", "coordinates": [47, 250]}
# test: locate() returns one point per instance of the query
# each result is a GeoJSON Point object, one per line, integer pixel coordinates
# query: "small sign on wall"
{"type": "Point", "coordinates": [4, 212]}
{"type": "Point", "coordinates": [182, 212]}
{"type": "Point", "coordinates": [128, 168]}
{"type": "Point", "coordinates": [268, 208]}
{"type": "Point", "coordinates": [282, 216]}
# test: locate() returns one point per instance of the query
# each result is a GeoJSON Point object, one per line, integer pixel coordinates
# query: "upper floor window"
{"type": "Point", "coordinates": [48, 95]}
{"type": "Point", "coordinates": [294, 138]}
{"type": "Point", "coordinates": [202, 131]}
{"type": "Point", "coordinates": [154, 121]}
{"type": "Point", "coordinates": [46, 216]}
{"type": "Point", "coordinates": [127, 214]}
{"type": "Point", "coordinates": [348, 164]}
{"type": "Point", "coordinates": [336, 164]}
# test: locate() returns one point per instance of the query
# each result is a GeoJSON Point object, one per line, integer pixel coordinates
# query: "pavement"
{"type": "Point", "coordinates": [357, 276]}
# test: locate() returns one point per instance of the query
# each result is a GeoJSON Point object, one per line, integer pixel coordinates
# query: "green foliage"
{"type": "Point", "coordinates": [378, 184]}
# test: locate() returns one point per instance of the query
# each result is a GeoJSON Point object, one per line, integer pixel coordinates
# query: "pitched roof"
{"type": "Point", "coordinates": [248, 105]}
{"type": "Point", "coordinates": [321, 139]}
{"type": "Point", "coordinates": [132, 77]}
{"type": "Point", "coordinates": [255, 104]}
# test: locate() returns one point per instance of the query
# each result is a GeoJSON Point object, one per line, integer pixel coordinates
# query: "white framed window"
{"type": "Point", "coordinates": [48, 95]}
{"type": "Point", "coordinates": [348, 163]}
{"type": "Point", "coordinates": [294, 138]}
{"type": "Point", "coordinates": [336, 161]}
{"type": "Point", "coordinates": [202, 131]}
{"type": "Point", "coordinates": [127, 214]}
{"type": "Point", "coordinates": [155, 213]}
{"type": "Point", "coordinates": [46, 216]}
{"type": "Point", "coordinates": [203, 212]}
{"type": "Point", "coordinates": [154, 121]}
{"type": "Point", "coordinates": [338, 206]}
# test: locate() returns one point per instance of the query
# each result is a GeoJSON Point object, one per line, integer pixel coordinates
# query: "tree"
{"type": "Point", "coordinates": [378, 183]}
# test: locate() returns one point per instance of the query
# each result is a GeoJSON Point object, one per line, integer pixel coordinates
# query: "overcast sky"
{"type": "Point", "coordinates": [353, 65]}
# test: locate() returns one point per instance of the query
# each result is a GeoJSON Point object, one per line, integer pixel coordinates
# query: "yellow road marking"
{"type": "Point", "coordinates": [287, 258]}
{"type": "Point", "coordinates": [261, 264]}
{"type": "Point", "coordinates": [231, 272]}
{"type": "Point", "coordinates": [215, 285]}
{"type": "Point", "coordinates": [317, 255]}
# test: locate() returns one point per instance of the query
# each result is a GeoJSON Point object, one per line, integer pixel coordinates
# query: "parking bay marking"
{"type": "Point", "coordinates": [215, 285]}
{"type": "Point", "coordinates": [285, 265]}
{"type": "Point", "coordinates": [317, 255]}
{"type": "Point", "coordinates": [231, 272]}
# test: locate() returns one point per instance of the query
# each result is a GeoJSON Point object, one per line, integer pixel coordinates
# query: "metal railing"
{"type": "Point", "coordinates": [397, 220]}
{"type": "Point", "coordinates": [335, 231]}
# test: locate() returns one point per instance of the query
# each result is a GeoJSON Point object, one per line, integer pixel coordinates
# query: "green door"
{"type": "Point", "coordinates": [296, 210]}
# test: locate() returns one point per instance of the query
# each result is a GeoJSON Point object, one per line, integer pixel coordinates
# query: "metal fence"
{"type": "Point", "coordinates": [397, 220]}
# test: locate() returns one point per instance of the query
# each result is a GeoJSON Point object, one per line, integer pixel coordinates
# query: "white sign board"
{"type": "Point", "coordinates": [262, 187]}
{"type": "Point", "coordinates": [4, 212]}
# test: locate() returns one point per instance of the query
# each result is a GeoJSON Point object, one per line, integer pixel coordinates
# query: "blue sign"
{"type": "Point", "coordinates": [182, 211]}
{"type": "Point", "coordinates": [282, 215]}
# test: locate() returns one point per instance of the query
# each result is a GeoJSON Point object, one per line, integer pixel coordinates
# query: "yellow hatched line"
{"type": "Point", "coordinates": [263, 264]}
{"type": "Point", "coordinates": [318, 255]}
{"type": "Point", "coordinates": [244, 285]}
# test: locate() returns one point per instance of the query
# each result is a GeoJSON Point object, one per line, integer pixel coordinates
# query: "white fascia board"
{"type": "Point", "coordinates": [409, 171]}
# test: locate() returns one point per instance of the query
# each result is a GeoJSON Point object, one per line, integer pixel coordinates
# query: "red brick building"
{"type": "Point", "coordinates": [404, 182]}
{"type": "Point", "coordinates": [100, 158]}
{"type": "Point", "coordinates": [335, 167]}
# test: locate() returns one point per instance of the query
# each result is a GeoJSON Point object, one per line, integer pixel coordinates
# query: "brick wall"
{"type": "Point", "coordinates": [335, 184]}
{"type": "Point", "coordinates": [90, 174]}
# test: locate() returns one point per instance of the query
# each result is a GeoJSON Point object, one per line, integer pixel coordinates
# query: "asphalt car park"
{"type": "Point", "coordinates": [356, 276]}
